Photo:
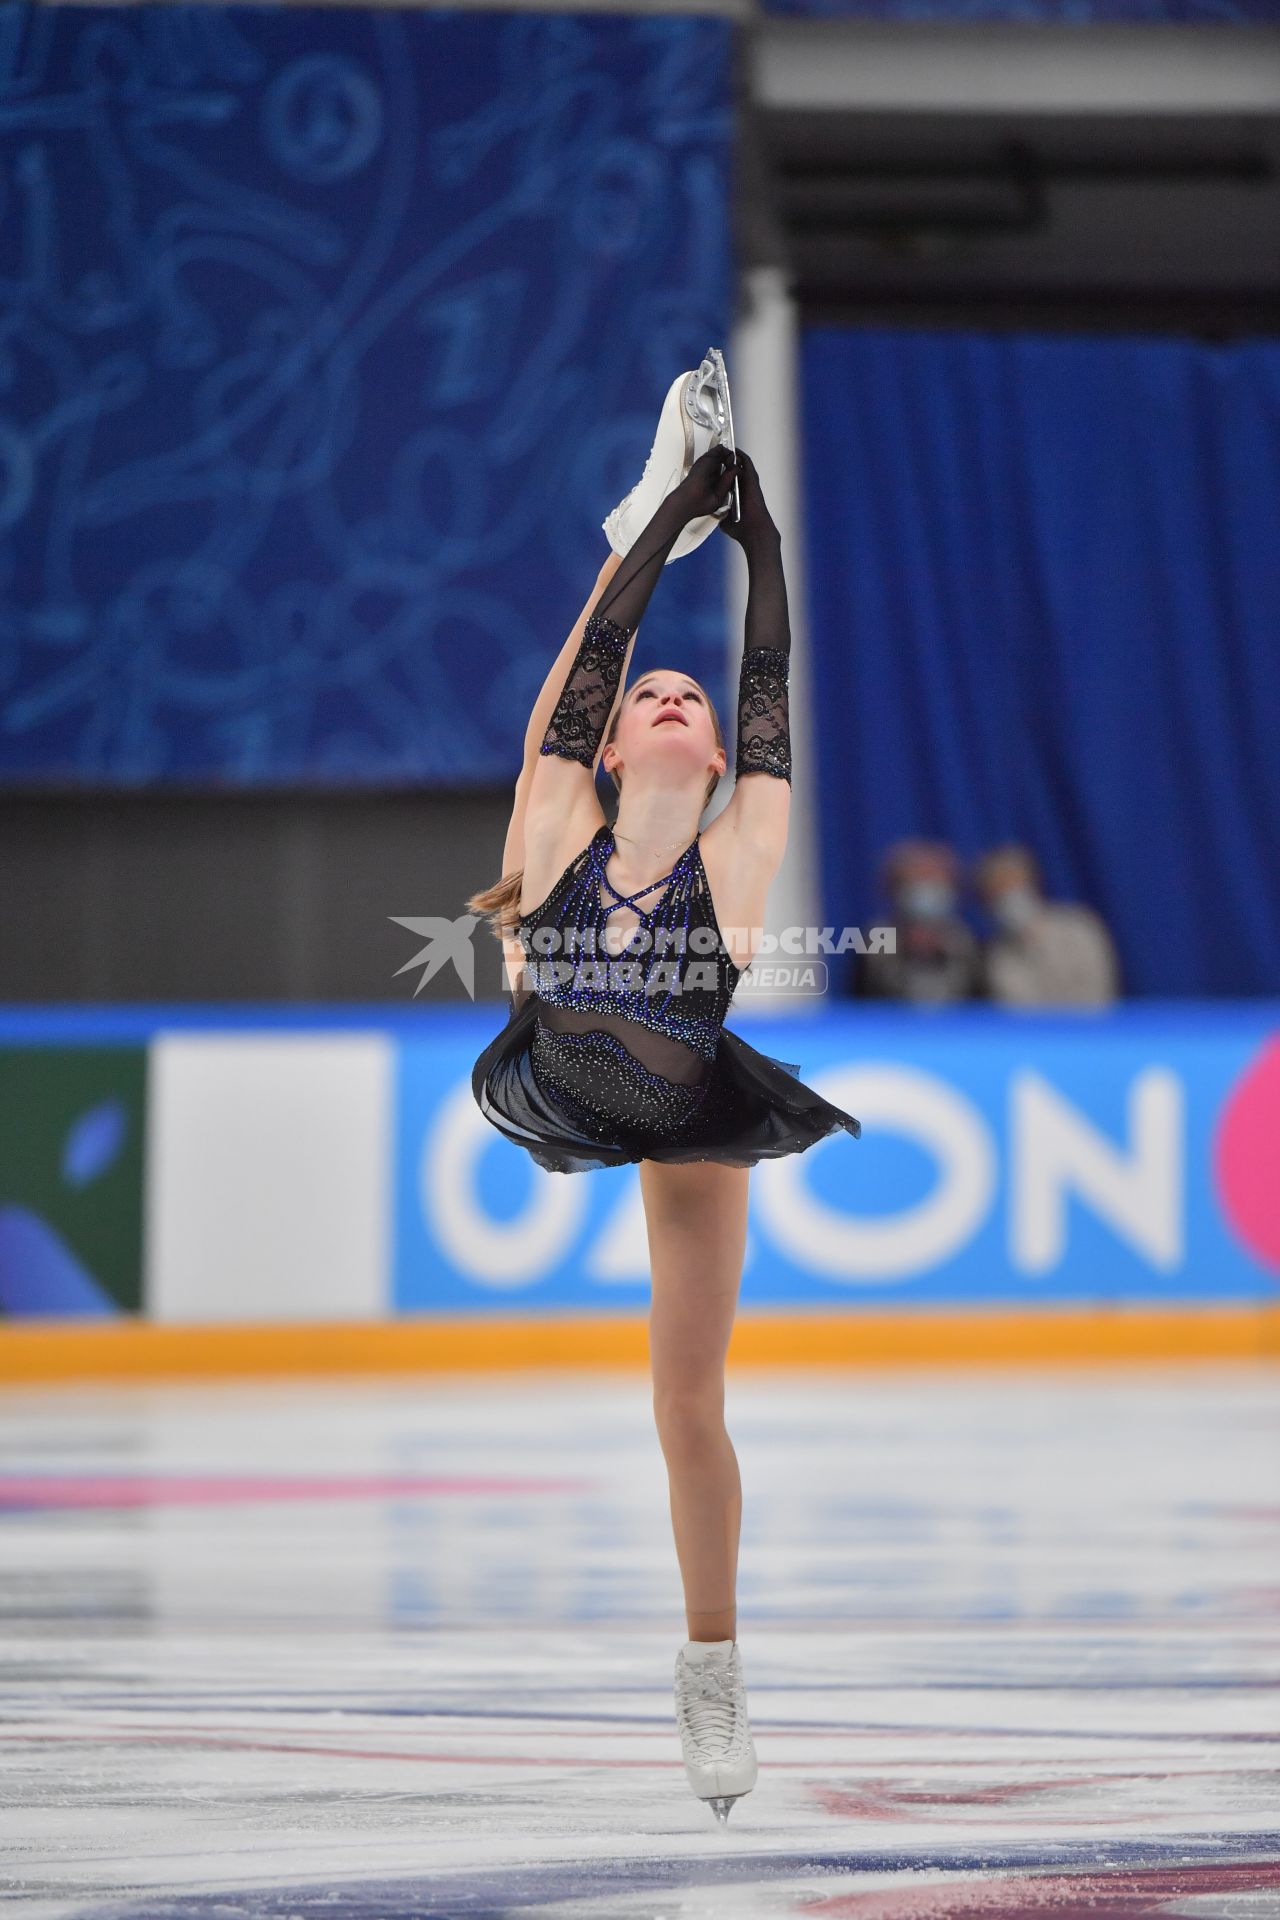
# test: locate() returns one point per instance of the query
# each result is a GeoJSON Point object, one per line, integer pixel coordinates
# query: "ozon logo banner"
{"type": "Point", "coordinates": [1018, 1160]}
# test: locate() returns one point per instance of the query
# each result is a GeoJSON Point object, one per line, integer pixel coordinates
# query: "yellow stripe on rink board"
{"type": "Point", "coordinates": [37, 1350]}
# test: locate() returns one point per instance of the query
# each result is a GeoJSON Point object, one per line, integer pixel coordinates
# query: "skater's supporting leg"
{"type": "Point", "coordinates": [696, 1217]}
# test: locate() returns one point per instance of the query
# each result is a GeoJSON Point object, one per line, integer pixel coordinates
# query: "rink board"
{"type": "Point", "coordinates": [274, 1169]}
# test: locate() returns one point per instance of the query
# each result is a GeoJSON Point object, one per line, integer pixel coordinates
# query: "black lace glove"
{"type": "Point", "coordinates": [581, 715]}
{"type": "Point", "coordinates": [577, 725]}
{"type": "Point", "coordinates": [764, 739]}
{"type": "Point", "coordinates": [764, 719]}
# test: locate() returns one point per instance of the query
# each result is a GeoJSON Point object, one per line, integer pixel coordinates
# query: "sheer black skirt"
{"type": "Point", "coordinates": [749, 1107]}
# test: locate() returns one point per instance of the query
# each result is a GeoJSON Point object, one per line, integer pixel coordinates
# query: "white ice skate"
{"type": "Point", "coordinates": [715, 1733]}
{"type": "Point", "coordinates": [696, 416]}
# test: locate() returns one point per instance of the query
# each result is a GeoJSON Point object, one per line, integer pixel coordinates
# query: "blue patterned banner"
{"type": "Point", "coordinates": [330, 337]}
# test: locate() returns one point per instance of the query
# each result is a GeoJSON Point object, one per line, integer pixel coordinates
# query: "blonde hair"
{"type": "Point", "coordinates": [500, 903]}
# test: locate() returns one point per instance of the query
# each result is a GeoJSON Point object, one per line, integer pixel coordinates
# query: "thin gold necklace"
{"type": "Point", "coordinates": [647, 849]}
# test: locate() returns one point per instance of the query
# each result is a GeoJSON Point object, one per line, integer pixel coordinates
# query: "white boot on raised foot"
{"type": "Point", "coordinates": [711, 1713]}
{"type": "Point", "coordinates": [696, 416]}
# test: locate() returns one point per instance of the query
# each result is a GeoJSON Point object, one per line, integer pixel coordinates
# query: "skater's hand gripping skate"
{"type": "Point", "coordinates": [707, 485]}
{"type": "Point", "coordinates": [756, 524]}
{"type": "Point", "coordinates": [702, 492]}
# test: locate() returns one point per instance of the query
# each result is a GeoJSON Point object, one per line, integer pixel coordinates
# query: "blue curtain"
{"type": "Point", "coordinates": [1045, 605]}
{"type": "Point", "coordinates": [330, 336]}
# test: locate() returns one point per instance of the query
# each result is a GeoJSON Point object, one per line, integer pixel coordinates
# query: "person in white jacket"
{"type": "Point", "coordinates": [1046, 953]}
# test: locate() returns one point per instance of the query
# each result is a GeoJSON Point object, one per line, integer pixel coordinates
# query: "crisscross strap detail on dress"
{"type": "Point", "coordinates": [665, 993]}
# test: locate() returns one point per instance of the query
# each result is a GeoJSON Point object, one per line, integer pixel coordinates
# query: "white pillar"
{"type": "Point", "coordinates": [764, 377]}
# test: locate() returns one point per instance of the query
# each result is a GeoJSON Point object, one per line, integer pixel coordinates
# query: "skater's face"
{"type": "Point", "coordinates": [665, 728]}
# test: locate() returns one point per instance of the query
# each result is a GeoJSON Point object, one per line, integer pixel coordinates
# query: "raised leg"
{"type": "Point", "coordinates": [696, 1217]}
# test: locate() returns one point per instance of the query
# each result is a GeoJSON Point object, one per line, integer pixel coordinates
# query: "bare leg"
{"type": "Point", "coordinates": [696, 1217]}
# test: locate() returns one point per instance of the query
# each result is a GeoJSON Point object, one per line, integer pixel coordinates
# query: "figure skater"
{"type": "Point", "coordinates": [615, 1051]}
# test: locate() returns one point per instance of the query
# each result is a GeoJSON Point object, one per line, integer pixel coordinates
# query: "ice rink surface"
{"type": "Point", "coordinates": [383, 1648]}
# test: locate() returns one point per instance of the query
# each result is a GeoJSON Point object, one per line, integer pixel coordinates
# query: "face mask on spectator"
{"type": "Point", "coordinates": [927, 899]}
{"type": "Point", "coordinates": [1015, 908]}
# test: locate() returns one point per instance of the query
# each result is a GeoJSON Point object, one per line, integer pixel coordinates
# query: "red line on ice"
{"type": "Point", "coordinates": [214, 1489]}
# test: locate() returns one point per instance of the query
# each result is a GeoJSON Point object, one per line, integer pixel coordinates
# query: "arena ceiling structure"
{"type": "Point", "coordinates": [1014, 174]}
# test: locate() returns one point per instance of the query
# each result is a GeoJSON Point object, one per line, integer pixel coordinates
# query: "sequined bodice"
{"type": "Point", "coordinates": [673, 976]}
{"type": "Point", "coordinates": [626, 1039]}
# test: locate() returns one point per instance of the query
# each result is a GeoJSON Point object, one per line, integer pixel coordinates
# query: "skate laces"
{"type": "Point", "coordinates": [712, 1707]}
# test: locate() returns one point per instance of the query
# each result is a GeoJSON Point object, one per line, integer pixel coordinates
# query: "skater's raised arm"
{"type": "Point", "coordinates": [576, 727]}
{"type": "Point", "coordinates": [580, 721]}
{"type": "Point", "coordinates": [764, 718]}
{"type": "Point", "coordinates": [556, 807]}
{"type": "Point", "coordinates": [559, 671]}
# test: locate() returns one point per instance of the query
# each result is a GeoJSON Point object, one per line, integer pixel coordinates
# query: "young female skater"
{"type": "Point", "coordinates": [615, 1051]}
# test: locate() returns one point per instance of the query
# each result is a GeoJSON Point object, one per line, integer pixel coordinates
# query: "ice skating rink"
{"type": "Point", "coordinates": [383, 1648]}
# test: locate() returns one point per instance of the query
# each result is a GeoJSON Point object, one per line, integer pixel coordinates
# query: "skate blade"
{"type": "Point", "coordinates": [723, 409]}
{"type": "Point", "coordinates": [704, 395]}
{"type": "Point", "coordinates": [727, 439]}
{"type": "Point", "coordinates": [721, 1804]}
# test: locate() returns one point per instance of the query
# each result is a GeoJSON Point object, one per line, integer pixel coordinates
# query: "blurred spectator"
{"type": "Point", "coordinates": [1046, 953]}
{"type": "Point", "coordinates": [937, 958]}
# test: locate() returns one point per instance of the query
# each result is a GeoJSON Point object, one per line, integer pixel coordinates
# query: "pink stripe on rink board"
{"type": "Point", "coordinates": [219, 1489]}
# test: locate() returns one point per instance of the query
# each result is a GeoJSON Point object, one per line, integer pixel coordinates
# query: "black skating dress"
{"type": "Point", "coordinates": [621, 1055]}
